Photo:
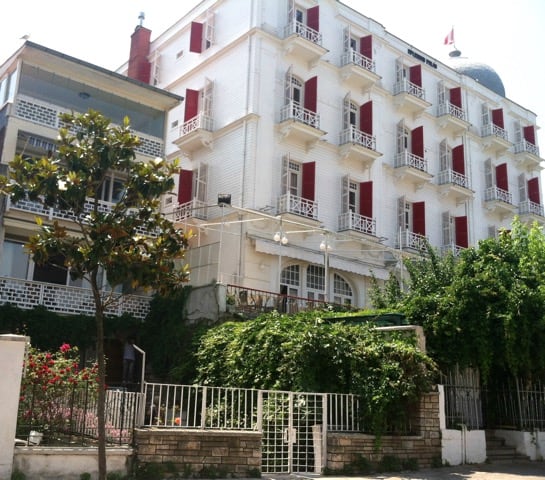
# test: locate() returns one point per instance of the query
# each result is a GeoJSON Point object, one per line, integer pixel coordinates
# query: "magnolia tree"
{"type": "Point", "coordinates": [129, 241]}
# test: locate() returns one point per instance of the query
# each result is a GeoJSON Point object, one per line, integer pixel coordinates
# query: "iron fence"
{"type": "Point", "coordinates": [68, 415]}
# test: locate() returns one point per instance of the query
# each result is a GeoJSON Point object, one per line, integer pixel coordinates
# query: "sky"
{"type": "Point", "coordinates": [501, 33]}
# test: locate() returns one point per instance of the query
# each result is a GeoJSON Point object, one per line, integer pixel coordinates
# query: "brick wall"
{"type": "Point", "coordinates": [229, 453]}
{"type": "Point", "coordinates": [343, 449]}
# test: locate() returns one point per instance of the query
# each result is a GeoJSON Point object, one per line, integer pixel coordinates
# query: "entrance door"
{"type": "Point", "coordinates": [293, 432]}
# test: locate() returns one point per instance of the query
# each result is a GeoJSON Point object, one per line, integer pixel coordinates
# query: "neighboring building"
{"type": "Point", "coordinates": [340, 145]}
{"type": "Point", "coordinates": [36, 85]}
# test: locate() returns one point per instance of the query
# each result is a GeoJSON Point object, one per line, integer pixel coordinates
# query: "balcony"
{"type": "Point", "coordinates": [452, 118]}
{"type": "Point", "coordinates": [196, 134]}
{"type": "Point", "coordinates": [251, 302]}
{"type": "Point", "coordinates": [412, 167]}
{"type": "Point", "coordinates": [357, 145]}
{"type": "Point", "coordinates": [499, 201]}
{"type": "Point", "coordinates": [192, 210]}
{"type": "Point", "coordinates": [299, 206]}
{"type": "Point", "coordinates": [451, 248]}
{"type": "Point", "coordinates": [357, 223]}
{"type": "Point", "coordinates": [410, 98]}
{"type": "Point", "coordinates": [454, 184]}
{"type": "Point", "coordinates": [494, 138]}
{"type": "Point", "coordinates": [299, 124]}
{"type": "Point", "coordinates": [66, 300]}
{"type": "Point", "coordinates": [36, 208]}
{"type": "Point", "coordinates": [527, 155]}
{"type": "Point", "coordinates": [358, 71]}
{"type": "Point", "coordinates": [303, 42]}
{"type": "Point", "coordinates": [531, 212]}
{"type": "Point", "coordinates": [411, 241]}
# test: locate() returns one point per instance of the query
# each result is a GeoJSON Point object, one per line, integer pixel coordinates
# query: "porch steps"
{"type": "Point", "coordinates": [498, 452]}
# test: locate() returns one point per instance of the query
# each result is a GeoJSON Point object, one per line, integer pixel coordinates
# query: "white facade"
{"type": "Point", "coordinates": [326, 128]}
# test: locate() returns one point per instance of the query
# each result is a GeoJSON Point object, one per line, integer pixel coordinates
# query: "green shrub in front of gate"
{"type": "Point", "coordinates": [306, 353]}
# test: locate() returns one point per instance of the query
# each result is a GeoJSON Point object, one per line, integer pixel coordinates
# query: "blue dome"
{"type": "Point", "coordinates": [483, 74]}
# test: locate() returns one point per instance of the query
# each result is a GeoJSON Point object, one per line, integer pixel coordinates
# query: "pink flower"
{"type": "Point", "coordinates": [65, 347]}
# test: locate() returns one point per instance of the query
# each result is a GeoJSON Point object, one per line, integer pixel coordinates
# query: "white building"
{"type": "Point", "coordinates": [327, 130]}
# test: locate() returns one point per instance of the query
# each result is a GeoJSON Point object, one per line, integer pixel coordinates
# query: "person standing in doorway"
{"type": "Point", "coordinates": [129, 357]}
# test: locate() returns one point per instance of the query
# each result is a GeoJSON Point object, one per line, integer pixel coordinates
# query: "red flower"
{"type": "Point", "coordinates": [65, 347]}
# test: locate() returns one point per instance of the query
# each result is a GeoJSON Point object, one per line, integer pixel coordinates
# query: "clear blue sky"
{"type": "Point", "coordinates": [506, 35]}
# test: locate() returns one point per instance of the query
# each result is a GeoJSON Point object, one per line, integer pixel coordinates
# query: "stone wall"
{"type": "Point", "coordinates": [223, 453]}
{"type": "Point", "coordinates": [343, 449]}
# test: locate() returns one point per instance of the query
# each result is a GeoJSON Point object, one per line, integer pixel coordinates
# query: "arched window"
{"type": "Point", "coordinates": [342, 292]}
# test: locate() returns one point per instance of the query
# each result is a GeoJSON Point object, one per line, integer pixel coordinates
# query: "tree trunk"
{"type": "Point", "coordinates": [101, 424]}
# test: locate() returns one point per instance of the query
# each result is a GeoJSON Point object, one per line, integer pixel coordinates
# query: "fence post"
{"type": "Point", "coordinates": [12, 352]}
{"type": "Point", "coordinates": [203, 408]}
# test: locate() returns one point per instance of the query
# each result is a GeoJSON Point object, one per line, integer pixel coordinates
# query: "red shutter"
{"type": "Point", "coordinates": [497, 117]}
{"type": "Point", "coordinates": [417, 142]}
{"type": "Point", "coordinates": [366, 46]}
{"type": "Point", "coordinates": [366, 199]}
{"type": "Point", "coordinates": [419, 218]}
{"type": "Point", "coordinates": [458, 164]}
{"type": "Point", "coordinates": [185, 186]}
{"type": "Point", "coordinates": [460, 225]}
{"type": "Point", "coordinates": [313, 18]}
{"type": "Point", "coordinates": [309, 175]}
{"type": "Point", "coordinates": [366, 118]}
{"type": "Point", "coordinates": [415, 75]}
{"type": "Point", "coordinates": [456, 96]}
{"type": "Point", "coordinates": [533, 190]}
{"type": "Point", "coordinates": [191, 104]}
{"type": "Point", "coordinates": [311, 93]}
{"type": "Point", "coordinates": [530, 134]}
{"type": "Point", "coordinates": [195, 39]}
{"type": "Point", "coordinates": [501, 177]}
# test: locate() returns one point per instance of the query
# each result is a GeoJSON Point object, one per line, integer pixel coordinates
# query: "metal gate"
{"type": "Point", "coordinates": [293, 432]}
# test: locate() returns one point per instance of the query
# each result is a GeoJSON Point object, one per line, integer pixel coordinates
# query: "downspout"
{"type": "Point", "coordinates": [242, 236]}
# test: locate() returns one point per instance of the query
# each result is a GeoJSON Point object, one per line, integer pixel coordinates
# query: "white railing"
{"type": "Point", "coordinates": [28, 294]}
{"type": "Point", "coordinates": [289, 203]}
{"type": "Point", "coordinates": [351, 57]}
{"type": "Point", "coordinates": [192, 209]}
{"type": "Point", "coordinates": [495, 193]}
{"type": "Point", "coordinates": [353, 135]}
{"type": "Point", "coordinates": [407, 159]}
{"type": "Point", "coordinates": [448, 108]}
{"type": "Point", "coordinates": [526, 147]}
{"type": "Point", "coordinates": [47, 114]}
{"type": "Point", "coordinates": [56, 213]}
{"type": "Point", "coordinates": [451, 176]}
{"type": "Point", "coordinates": [415, 241]}
{"type": "Point", "coordinates": [405, 86]}
{"type": "Point", "coordinates": [355, 221]}
{"type": "Point", "coordinates": [491, 129]}
{"type": "Point", "coordinates": [532, 208]}
{"type": "Point", "coordinates": [452, 248]}
{"type": "Point", "coordinates": [303, 31]}
{"type": "Point", "coordinates": [343, 413]}
{"type": "Point", "coordinates": [294, 111]}
{"type": "Point", "coordinates": [200, 121]}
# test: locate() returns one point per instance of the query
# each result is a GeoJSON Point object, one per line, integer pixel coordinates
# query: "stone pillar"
{"type": "Point", "coordinates": [12, 351]}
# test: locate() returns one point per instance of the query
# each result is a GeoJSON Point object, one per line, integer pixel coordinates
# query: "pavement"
{"type": "Point", "coordinates": [487, 471]}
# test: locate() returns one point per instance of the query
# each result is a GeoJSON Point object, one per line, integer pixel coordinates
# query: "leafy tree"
{"type": "Point", "coordinates": [131, 242]}
{"type": "Point", "coordinates": [485, 308]}
{"type": "Point", "coordinates": [306, 352]}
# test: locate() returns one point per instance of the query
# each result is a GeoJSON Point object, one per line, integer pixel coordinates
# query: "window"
{"type": "Point", "coordinates": [301, 93]}
{"type": "Point", "coordinates": [298, 178]}
{"type": "Point", "coordinates": [452, 158]}
{"type": "Point", "coordinates": [529, 189]}
{"type": "Point", "coordinates": [15, 260]}
{"type": "Point", "coordinates": [342, 292]}
{"type": "Point", "coordinates": [192, 184]}
{"type": "Point", "coordinates": [290, 276]}
{"type": "Point", "coordinates": [202, 34]}
{"type": "Point", "coordinates": [112, 190]}
{"type": "Point", "coordinates": [199, 102]}
{"type": "Point", "coordinates": [316, 282]}
{"type": "Point", "coordinates": [454, 228]}
{"type": "Point", "coordinates": [411, 216]}
{"type": "Point", "coordinates": [301, 20]}
{"type": "Point", "coordinates": [411, 141]}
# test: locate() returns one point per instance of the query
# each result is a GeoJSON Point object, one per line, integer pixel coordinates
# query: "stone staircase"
{"type": "Point", "coordinates": [498, 452]}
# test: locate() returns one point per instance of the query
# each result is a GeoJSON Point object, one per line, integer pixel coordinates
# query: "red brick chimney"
{"type": "Point", "coordinates": [139, 66]}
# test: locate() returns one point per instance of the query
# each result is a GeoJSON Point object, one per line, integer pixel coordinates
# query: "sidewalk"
{"type": "Point", "coordinates": [486, 471]}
